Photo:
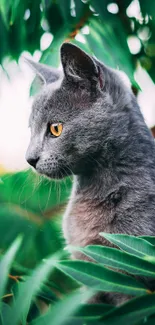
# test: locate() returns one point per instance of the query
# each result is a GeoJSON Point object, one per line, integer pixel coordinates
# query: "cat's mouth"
{"type": "Point", "coordinates": [59, 173]}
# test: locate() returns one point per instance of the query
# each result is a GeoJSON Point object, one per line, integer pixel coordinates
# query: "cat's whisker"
{"type": "Point", "coordinates": [49, 194]}
{"type": "Point", "coordinates": [57, 190]}
{"type": "Point", "coordinates": [22, 187]}
{"type": "Point", "coordinates": [66, 167]}
{"type": "Point", "coordinates": [69, 176]}
{"type": "Point", "coordinates": [36, 183]}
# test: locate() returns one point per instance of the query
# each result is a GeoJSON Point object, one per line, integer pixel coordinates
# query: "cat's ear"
{"type": "Point", "coordinates": [77, 64]}
{"type": "Point", "coordinates": [46, 74]}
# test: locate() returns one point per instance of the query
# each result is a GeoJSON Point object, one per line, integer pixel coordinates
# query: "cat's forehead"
{"type": "Point", "coordinates": [58, 102]}
{"type": "Point", "coordinates": [46, 104]}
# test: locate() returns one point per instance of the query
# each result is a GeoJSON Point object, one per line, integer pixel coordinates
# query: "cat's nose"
{"type": "Point", "coordinates": [32, 161]}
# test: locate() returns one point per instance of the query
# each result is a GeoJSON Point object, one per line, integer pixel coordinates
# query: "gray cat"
{"type": "Point", "coordinates": [86, 122]}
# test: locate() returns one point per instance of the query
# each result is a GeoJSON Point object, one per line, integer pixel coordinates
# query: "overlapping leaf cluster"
{"type": "Point", "coordinates": [22, 23]}
{"type": "Point", "coordinates": [35, 301]}
{"type": "Point", "coordinates": [51, 292]}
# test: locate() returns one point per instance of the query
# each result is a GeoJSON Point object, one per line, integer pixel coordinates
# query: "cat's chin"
{"type": "Point", "coordinates": [57, 175]}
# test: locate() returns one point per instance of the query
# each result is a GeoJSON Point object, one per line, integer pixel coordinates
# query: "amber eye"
{"type": "Point", "coordinates": [56, 129]}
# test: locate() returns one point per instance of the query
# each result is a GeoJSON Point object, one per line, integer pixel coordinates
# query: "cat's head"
{"type": "Point", "coordinates": [67, 118]}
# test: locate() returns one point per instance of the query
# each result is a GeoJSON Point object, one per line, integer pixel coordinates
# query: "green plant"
{"type": "Point", "coordinates": [33, 206]}
{"type": "Point", "coordinates": [33, 300]}
{"type": "Point", "coordinates": [22, 24]}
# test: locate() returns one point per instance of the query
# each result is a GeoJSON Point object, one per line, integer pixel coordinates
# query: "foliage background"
{"type": "Point", "coordinates": [22, 23]}
{"type": "Point", "coordinates": [33, 206]}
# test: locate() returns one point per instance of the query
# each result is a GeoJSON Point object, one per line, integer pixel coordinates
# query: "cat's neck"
{"type": "Point", "coordinates": [95, 185]}
{"type": "Point", "coordinates": [126, 172]}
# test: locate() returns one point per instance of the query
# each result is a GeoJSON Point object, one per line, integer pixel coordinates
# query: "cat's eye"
{"type": "Point", "coordinates": [56, 129]}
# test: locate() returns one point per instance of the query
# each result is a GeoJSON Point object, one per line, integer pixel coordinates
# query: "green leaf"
{"type": "Point", "coordinates": [60, 312]}
{"type": "Point", "coordinates": [33, 313]}
{"type": "Point", "coordinates": [4, 10]}
{"type": "Point", "coordinates": [82, 10]}
{"type": "Point", "coordinates": [101, 278]}
{"type": "Point", "coordinates": [102, 41]}
{"type": "Point", "coordinates": [147, 8]}
{"type": "Point", "coordinates": [131, 312]}
{"type": "Point", "coordinates": [101, 8]}
{"type": "Point", "coordinates": [5, 313]}
{"type": "Point", "coordinates": [150, 321]}
{"type": "Point", "coordinates": [46, 294]}
{"type": "Point", "coordinates": [65, 9]}
{"type": "Point", "coordinates": [14, 9]}
{"type": "Point", "coordinates": [6, 262]}
{"type": "Point", "coordinates": [51, 56]}
{"type": "Point", "coordinates": [131, 244]}
{"type": "Point", "coordinates": [150, 239]}
{"type": "Point", "coordinates": [29, 289]}
{"type": "Point", "coordinates": [12, 222]}
{"type": "Point", "coordinates": [120, 260]}
{"type": "Point", "coordinates": [94, 310]}
{"type": "Point", "coordinates": [49, 236]}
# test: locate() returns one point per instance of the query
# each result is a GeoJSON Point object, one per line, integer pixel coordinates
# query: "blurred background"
{"type": "Point", "coordinates": [119, 33]}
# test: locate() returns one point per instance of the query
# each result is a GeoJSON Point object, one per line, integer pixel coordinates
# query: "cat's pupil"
{"type": "Point", "coordinates": [56, 128]}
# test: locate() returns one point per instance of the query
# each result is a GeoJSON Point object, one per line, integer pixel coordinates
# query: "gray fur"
{"type": "Point", "coordinates": [105, 143]}
{"type": "Point", "coordinates": [45, 73]}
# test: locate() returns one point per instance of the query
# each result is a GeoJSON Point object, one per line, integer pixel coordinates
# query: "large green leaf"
{"type": "Point", "coordinates": [13, 221]}
{"type": "Point", "coordinates": [32, 212]}
{"type": "Point", "coordinates": [29, 289]}
{"type": "Point", "coordinates": [60, 312]}
{"type": "Point", "coordinates": [48, 239]}
{"type": "Point", "coordinates": [4, 10]}
{"type": "Point", "coordinates": [94, 310]}
{"type": "Point", "coordinates": [150, 239]}
{"type": "Point", "coordinates": [65, 7]}
{"type": "Point", "coordinates": [102, 41]}
{"type": "Point", "coordinates": [46, 294]}
{"type": "Point", "coordinates": [120, 260]}
{"type": "Point", "coordinates": [148, 321]}
{"type": "Point", "coordinates": [15, 9]}
{"type": "Point", "coordinates": [147, 8]}
{"type": "Point", "coordinates": [134, 245]}
{"type": "Point", "coordinates": [40, 237]}
{"type": "Point", "coordinates": [5, 313]}
{"type": "Point", "coordinates": [5, 264]}
{"type": "Point", "coordinates": [132, 312]}
{"type": "Point", "coordinates": [82, 11]}
{"type": "Point", "coordinates": [101, 278]}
